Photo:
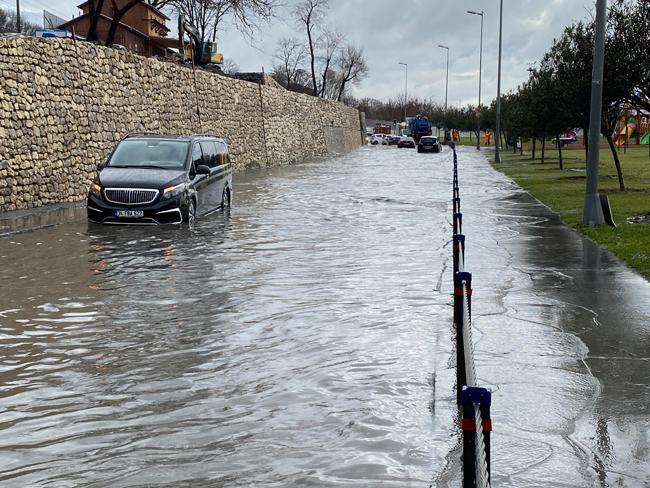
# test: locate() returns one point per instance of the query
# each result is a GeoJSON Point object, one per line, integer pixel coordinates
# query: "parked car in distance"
{"type": "Point", "coordinates": [393, 140]}
{"type": "Point", "coordinates": [379, 139]}
{"type": "Point", "coordinates": [376, 139]}
{"type": "Point", "coordinates": [406, 141]}
{"type": "Point", "coordinates": [157, 179]}
{"type": "Point", "coordinates": [428, 144]}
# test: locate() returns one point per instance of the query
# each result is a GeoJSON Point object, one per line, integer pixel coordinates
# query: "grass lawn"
{"type": "Point", "coordinates": [563, 191]}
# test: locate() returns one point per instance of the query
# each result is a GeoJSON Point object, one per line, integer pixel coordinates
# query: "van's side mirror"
{"type": "Point", "coordinates": [202, 169]}
{"type": "Point", "coordinates": [101, 166]}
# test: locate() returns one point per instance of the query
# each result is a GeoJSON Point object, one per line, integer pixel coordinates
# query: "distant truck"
{"type": "Point", "coordinates": [381, 129]}
{"type": "Point", "coordinates": [419, 126]}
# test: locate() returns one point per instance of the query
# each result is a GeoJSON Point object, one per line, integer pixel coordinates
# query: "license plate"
{"type": "Point", "coordinates": [129, 213]}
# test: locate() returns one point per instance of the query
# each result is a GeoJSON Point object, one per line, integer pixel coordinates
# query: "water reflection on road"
{"type": "Point", "coordinates": [304, 339]}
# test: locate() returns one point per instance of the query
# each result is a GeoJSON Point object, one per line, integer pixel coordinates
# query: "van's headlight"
{"type": "Point", "coordinates": [173, 191]}
{"type": "Point", "coordinates": [96, 190]}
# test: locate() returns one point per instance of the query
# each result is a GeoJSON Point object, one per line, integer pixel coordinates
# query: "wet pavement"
{"type": "Point", "coordinates": [304, 338]}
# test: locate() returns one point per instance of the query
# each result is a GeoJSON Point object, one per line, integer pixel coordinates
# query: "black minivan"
{"type": "Point", "coordinates": [158, 179]}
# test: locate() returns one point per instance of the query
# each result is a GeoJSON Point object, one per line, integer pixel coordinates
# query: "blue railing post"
{"type": "Point", "coordinates": [467, 396]}
{"type": "Point", "coordinates": [459, 321]}
{"type": "Point", "coordinates": [458, 250]}
{"type": "Point", "coordinates": [482, 397]}
{"type": "Point", "coordinates": [458, 223]}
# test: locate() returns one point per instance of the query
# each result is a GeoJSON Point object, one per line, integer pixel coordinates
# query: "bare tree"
{"type": "Point", "coordinates": [208, 15]}
{"type": "Point", "coordinates": [205, 15]}
{"type": "Point", "coordinates": [247, 14]}
{"type": "Point", "coordinates": [229, 67]}
{"type": "Point", "coordinates": [94, 12]}
{"type": "Point", "coordinates": [333, 84]}
{"type": "Point", "coordinates": [309, 13]}
{"type": "Point", "coordinates": [118, 13]}
{"type": "Point", "coordinates": [352, 68]}
{"type": "Point", "coordinates": [160, 4]}
{"type": "Point", "coordinates": [288, 60]}
{"type": "Point", "coordinates": [329, 43]}
{"type": "Point", "coordinates": [9, 21]}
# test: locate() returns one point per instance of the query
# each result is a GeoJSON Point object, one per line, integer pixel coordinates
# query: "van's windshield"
{"type": "Point", "coordinates": [150, 153]}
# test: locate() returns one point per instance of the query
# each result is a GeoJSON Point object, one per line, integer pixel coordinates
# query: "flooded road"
{"type": "Point", "coordinates": [304, 338]}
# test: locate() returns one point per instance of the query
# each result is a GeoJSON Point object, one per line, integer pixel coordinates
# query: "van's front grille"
{"type": "Point", "coordinates": [130, 196]}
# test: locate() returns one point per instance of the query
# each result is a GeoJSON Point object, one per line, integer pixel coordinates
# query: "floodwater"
{"type": "Point", "coordinates": [304, 338]}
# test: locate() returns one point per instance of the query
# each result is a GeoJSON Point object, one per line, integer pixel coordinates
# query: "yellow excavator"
{"type": "Point", "coordinates": [203, 53]}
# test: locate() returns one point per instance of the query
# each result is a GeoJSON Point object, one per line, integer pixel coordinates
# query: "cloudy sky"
{"type": "Point", "coordinates": [409, 31]}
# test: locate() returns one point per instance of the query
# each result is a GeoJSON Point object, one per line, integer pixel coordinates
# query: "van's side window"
{"type": "Point", "coordinates": [222, 151]}
{"type": "Point", "coordinates": [209, 153]}
{"type": "Point", "coordinates": [197, 156]}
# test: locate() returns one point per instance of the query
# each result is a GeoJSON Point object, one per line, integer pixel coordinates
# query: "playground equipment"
{"type": "Point", "coordinates": [625, 134]}
{"type": "Point", "coordinates": [569, 137]}
{"type": "Point", "coordinates": [631, 122]}
{"type": "Point", "coordinates": [571, 134]}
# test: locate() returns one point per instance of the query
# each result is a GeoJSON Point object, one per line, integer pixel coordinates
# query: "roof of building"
{"type": "Point", "coordinates": [166, 42]}
{"type": "Point", "coordinates": [125, 26]}
{"type": "Point", "coordinates": [151, 7]}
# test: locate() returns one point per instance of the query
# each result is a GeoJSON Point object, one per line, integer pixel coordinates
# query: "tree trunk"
{"type": "Point", "coordinates": [617, 162]}
{"type": "Point", "coordinates": [347, 78]}
{"type": "Point", "coordinates": [559, 149]}
{"type": "Point", "coordinates": [117, 16]}
{"type": "Point", "coordinates": [586, 141]}
{"type": "Point", "coordinates": [323, 86]}
{"type": "Point", "coordinates": [543, 147]}
{"type": "Point", "coordinates": [340, 94]}
{"type": "Point", "coordinates": [534, 147]}
{"type": "Point", "coordinates": [521, 146]}
{"type": "Point", "coordinates": [110, 37]}
{"type": "Point", "coordinates": [312, 56]}
{"type": "Point", "coordinates": [94, 10]}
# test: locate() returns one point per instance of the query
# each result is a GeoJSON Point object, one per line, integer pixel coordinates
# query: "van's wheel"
{"type": "Point", "coordinates": [189, 212]}
{"type": "Point", "coordinates": [225, 198]}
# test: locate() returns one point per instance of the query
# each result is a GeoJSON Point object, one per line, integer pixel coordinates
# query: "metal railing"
{"type": "Point", "coordinates": [474, 400]}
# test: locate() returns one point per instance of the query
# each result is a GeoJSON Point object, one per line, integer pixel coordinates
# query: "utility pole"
{"type": "Point", "coordinates": [18, 24]}
{"type": "Point", "coordinates": [497, 135]}
{"type": "Point", "coordinates": [480, 69]}
{"type": "Point", "coordinates": [592, 213]}
{"type": "Point", "coordinates": [406, 87]}
{"type": "Point", "coordinates": [446, 82]}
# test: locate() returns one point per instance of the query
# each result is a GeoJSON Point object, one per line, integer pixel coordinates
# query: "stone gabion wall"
{"type": "Point", "coordinates": [63, 106]}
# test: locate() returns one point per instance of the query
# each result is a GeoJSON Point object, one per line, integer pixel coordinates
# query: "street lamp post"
{"type": "Point", "coordinates": [592, 212]}
{"type": "Point", "coordinates": [480, 68]}
{"type": "Point", "coordinates": [497, 138]}
{"type": "Point", "coordinates": [446, 82]}
{"type": "Point", "coordinates": [406, 86]}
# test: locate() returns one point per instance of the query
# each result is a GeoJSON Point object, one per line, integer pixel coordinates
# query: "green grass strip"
{"type": "Point", "coordinates": [563, 191]}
